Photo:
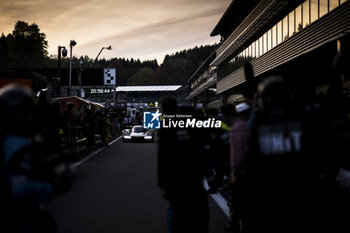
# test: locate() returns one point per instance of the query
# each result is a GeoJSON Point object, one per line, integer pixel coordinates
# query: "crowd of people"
{"type": "Point", "coordinates": [283, 158]}
{"type": "Point", "coordinates": [39, 142]}
{"type": "Point", "coordinates": [87, 124]}
{"type": "Point", "coordinates": [33, 166]}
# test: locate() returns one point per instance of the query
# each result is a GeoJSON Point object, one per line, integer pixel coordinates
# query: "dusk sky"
{"type": "Point", "coordinates": [144, 29]}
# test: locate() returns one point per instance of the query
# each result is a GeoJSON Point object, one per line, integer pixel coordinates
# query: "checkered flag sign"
{"type": "Point", "coordinates": [109, 76]}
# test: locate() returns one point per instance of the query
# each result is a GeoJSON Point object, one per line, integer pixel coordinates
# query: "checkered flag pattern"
{"type": "Point", "coordinates": [109, 76]}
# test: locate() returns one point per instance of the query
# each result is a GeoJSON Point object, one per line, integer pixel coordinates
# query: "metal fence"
{"type": "Point", "coordinates": [75, 139]}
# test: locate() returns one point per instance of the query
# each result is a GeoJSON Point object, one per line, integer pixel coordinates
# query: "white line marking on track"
{"type": "Point", "coordinates": [110, 143]}
{"type": "Point", "coordinates": [77, 164]}
{"type": "Point", "coordinates": [219, 200]}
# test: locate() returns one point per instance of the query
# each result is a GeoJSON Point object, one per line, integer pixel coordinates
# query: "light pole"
{"type": "Point", "coordinates": [108, 48]}
{"type": "Point", "coordinates": [71, 45]}
{"type": "Point", "coordinates": [61, 51]}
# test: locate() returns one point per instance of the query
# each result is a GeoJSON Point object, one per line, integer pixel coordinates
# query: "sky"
{"type": "Point", "coordinates": [139, 29]}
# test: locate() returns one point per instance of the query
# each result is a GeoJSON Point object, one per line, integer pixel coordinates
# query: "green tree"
{"type": "Point", "coordinates": [3, 51]}
{"type": "Point", "coordinates": [27, 46]}
{"type": "Point", "coordinates": [178, 68]}
{"type": "Point", "coordinates": [144, 76]}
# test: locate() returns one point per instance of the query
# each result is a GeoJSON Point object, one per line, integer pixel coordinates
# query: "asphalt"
{"type": "Point", "coordinates": [116, 191]}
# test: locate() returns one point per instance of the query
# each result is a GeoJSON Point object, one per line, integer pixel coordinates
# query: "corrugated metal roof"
{"type": "Point", "coordinates": [148, 88]}
{"type": "Point", "coordinates": [235, 13]}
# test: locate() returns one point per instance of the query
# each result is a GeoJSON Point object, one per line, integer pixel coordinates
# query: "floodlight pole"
{"type": "Point", "coordinates": [109, 48]}
{"type": "Point", "coordinates": [71, 45]}
{"type": "Point", "coordinates": [62, 51]}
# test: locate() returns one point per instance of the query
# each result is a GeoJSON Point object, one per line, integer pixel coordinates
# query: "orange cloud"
{"type": "Point", "coordinates": [144, 29]}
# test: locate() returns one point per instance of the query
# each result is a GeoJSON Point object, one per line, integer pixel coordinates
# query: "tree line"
{"type": "Point", "coordinates": [26, 48]}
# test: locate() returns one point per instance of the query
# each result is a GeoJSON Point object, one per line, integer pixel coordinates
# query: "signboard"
{"type": "Point", "coordinates": [109, 76]}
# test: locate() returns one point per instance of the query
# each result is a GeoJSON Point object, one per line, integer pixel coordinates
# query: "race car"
{"type": "Point", "coordinates": [138, 133]}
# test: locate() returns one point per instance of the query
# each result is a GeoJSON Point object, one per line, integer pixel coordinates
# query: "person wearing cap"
{"type": "Point", "coordinates": [242, 107]}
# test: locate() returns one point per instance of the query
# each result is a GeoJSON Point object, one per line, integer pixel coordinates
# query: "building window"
{"type": "Point", "coordinates": [298, 19]}
{"type": "Point", "coordinates": [323, 7]}
{"type": "Point", "coordinates": [274, 36]}
{"type": "Point", "coordinates": [306, 13]}
{"type": "Point", "coordinates": [268, 41]}
{"type": "Point", "coordinates": [253, 49]}
{"type": "Point", "coordinates": [261, 46]}
{"type": "Point", "coordinates": [313, 10]}
{"type": "Point", "coordinates": [291, 24]}
{"type": "Point", "coordinates": [285, 28]}
{"type": "Point", "coordinates": [279, 32]}
{"type": "Point", "coordinates": [265, 41]}
{"type": "Point", "coordinates": [333, 4]}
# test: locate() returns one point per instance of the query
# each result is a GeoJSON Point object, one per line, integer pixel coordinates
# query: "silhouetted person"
{"type": "Point", "coordinates": [89, 121]}
{"type": "Point", "coordinates": [239, 138]}
{"type": "Point", "coordinates": [215, 157]}
{"type": "Point", "coordinates": [68, 114]}
{"type": "Point", "coordinates": [180, 175]}
{"type": "Point", "coordinates": [279, 173]}
{"type": "Point", "coordinates": [29, 166]}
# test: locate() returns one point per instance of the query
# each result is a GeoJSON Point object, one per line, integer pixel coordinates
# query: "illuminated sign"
{"type": "Point", "coordinates": [91, 92]}
{"type": "Point", "coordinates": [100, 91]}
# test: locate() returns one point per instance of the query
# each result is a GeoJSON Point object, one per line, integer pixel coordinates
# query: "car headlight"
{"type": "Point", "coordinates": [148, 137]}
{"type": "Point", "coordinates": [127, 137]}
